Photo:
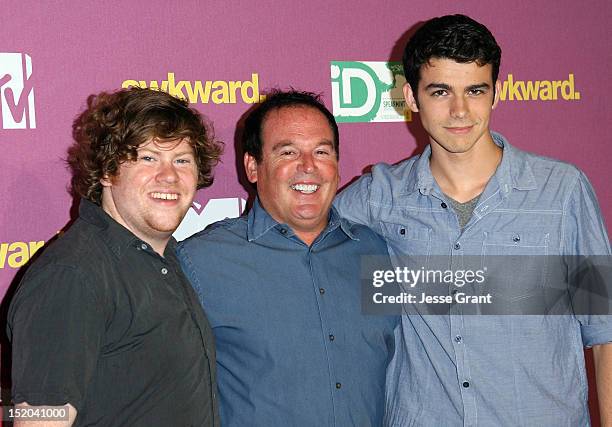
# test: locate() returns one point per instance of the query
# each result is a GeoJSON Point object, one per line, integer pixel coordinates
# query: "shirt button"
{"type": "Point", "coordinates": [444, 205]}
{"type": "Point", "coordinates": [331, 337]}
{"type": "Point", "coordinates": [338, 385]}
{"type": "Point", "coordinates": [465, 384]}
{"type": "Point", "coordinates": [455, 292]}
{"type": "Point", "coordinates": [457, 246]}
{"type": "Point", "coordinates": [143, 246]}
{"type": "Point", "coordinates": [283, 231]}
{"type": "Point", "coordinates": [458, 338]}
{"type": "Point", "coordinates": [403, 231]}
{"type": "Point", "coordinates": [321, 291]}
{"type": "Point", "coordinates": [164, 270]}
{"type": "Point", "coordinates": [516, 238]}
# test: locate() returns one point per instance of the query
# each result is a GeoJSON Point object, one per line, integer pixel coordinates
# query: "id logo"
{"type": "Point", "coordinates": [198, 216]}
{"type": "Point", "coordinates": [16, 91]}
{"type": "Point", "coordinates": [368, 92]}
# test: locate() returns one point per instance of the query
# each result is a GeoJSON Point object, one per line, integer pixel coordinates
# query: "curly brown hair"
{"type": "Point", "coordinates": [114, 125]}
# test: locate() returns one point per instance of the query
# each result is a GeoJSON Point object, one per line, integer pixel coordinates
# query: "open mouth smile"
{"type": "Point", "coordinates": [165, 196]}
{"type": "Point", "coordinates": [305, 188]}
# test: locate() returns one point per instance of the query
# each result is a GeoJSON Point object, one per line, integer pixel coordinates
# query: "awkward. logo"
{"type": "Point", "coordinates": [16, 91]}
{"type": "Point", "coordinates": [198, 91]}
{"type": "Point", "coordinates": [539, 90]}
{"type": "Point", "coordinates": [16, 254]}
{"type": "Point", "coordinates": [368, 92]}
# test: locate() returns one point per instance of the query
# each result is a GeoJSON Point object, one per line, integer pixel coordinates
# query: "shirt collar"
{"type": "Point", "coordinates": [117, 237]}
{"type": "Point", "coordinates": [514, 171]}
{"type": "Point", "coordinates": [259, 222]}
{"type": "Point", "coordinates": [421, 175]}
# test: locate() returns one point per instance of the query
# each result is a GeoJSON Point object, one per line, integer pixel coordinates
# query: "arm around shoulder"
{"type": "Point", "coordinates": [353, 202]}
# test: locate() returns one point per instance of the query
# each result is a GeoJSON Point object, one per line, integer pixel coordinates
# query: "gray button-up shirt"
{"type": "Point", "coordinates": [455, 370]}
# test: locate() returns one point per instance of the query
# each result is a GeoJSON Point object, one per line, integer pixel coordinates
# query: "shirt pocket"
{"type": "Point", "coordinates": [516, 269]}
{"type": "Point", "coordinates": [408, 245]}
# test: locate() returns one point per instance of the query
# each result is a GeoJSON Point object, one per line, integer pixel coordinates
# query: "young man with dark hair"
{"type": "Point", "coordinates": [281, 285]}
{"type": "Point", "coordinates": [473, 194]}
{"type": "Point", "coordinates": [104, 322]}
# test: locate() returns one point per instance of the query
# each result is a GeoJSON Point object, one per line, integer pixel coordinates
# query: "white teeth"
{"type": "Point", "coordinates": [165, 196]}
{"type": "Point", "coordinates": [305, 188]}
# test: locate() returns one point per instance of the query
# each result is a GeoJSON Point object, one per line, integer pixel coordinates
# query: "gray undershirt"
{"type": "Point", "coordinates": [464, 210]}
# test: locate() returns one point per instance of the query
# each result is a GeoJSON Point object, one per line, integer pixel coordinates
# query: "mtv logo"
{"type": "Point", "coordinates": [16, 91]}
{"type": "Point", "coordinates": [216, 209]}
{"type": "Point", "coordinates": [371, 91]}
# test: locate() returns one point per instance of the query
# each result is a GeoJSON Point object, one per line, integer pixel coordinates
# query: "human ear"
{"type": "Point", "coordinates": [411, 101]}
{"type": "Point", "coordinates": [250, 167]}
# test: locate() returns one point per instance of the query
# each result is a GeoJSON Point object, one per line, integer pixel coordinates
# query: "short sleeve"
{"type": "Point", "coordinates": [56, 326]}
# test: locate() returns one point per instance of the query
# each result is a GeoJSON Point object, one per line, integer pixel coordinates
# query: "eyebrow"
{"type": "Point", "coordinates": [326, 142]}
{"type": "Point", "coordinates": [437, 86]}
{"type": "Point", "coordinates": [283, 144]}
{"type": "Point", "coordinates": [482, 85]}
{"type": "Point", "coordinates": [159, 151]}
{"type": "Point", "coordinates": [445, 86]}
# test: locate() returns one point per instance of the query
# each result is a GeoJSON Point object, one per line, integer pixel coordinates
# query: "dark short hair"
{"type": "Point", "coordinates": [113, 126]}
{"type": "Point", "coordinates": [275, 100]}
{"type": "Point", "coordinates": [456, 37]}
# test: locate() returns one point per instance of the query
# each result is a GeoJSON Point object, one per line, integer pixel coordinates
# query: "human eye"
{"type": "Point", "coordinates": [476, 92]}
{"type": "Point", "coordinates": [439, 93]}
{"type": "Point", "coordinates": [183, 161]}
{"type": "Point", "coordinates": [146, 158]}
{"type": "Point", "coordinates": [287, 152]}
{"type": "Point", "coordinates": [323, 151]}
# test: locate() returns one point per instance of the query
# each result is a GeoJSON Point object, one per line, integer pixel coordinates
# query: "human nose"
{"type": "Point", "coordinates": [459, 107]}
{"type": "Point", "coordinates": [306, 164]}
{"type": "Point", "coordinates": [167, 172]}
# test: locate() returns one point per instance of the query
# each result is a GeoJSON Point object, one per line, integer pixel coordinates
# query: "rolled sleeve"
{"type": "Point", "coordinates": [584, 236]}
{"type": "Point", "coordinates": [599, 331]}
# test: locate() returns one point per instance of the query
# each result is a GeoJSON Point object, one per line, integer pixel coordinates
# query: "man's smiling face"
{"type": "Point", "coordinates": [151, 195]}
{"type": "Point", "coordinates": [297, 176]}
{"type": "Point", "coordinates": [455, 101]}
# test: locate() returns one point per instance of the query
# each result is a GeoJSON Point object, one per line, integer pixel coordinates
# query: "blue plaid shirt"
{"type": "Point", "coordinates": [454, 370]}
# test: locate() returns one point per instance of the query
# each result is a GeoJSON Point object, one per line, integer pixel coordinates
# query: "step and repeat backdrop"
{"type": "Point", "coordinates": [223, 55]}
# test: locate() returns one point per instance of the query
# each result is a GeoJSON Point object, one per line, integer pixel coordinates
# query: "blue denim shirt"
{"type": "Point", "coordinates": [293, 348]}
{"type": "Point", "coordinates": [454, 370]}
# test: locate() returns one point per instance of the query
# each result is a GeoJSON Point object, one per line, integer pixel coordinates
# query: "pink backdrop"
{"type": "Point", "coordinates": [81, 47]}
